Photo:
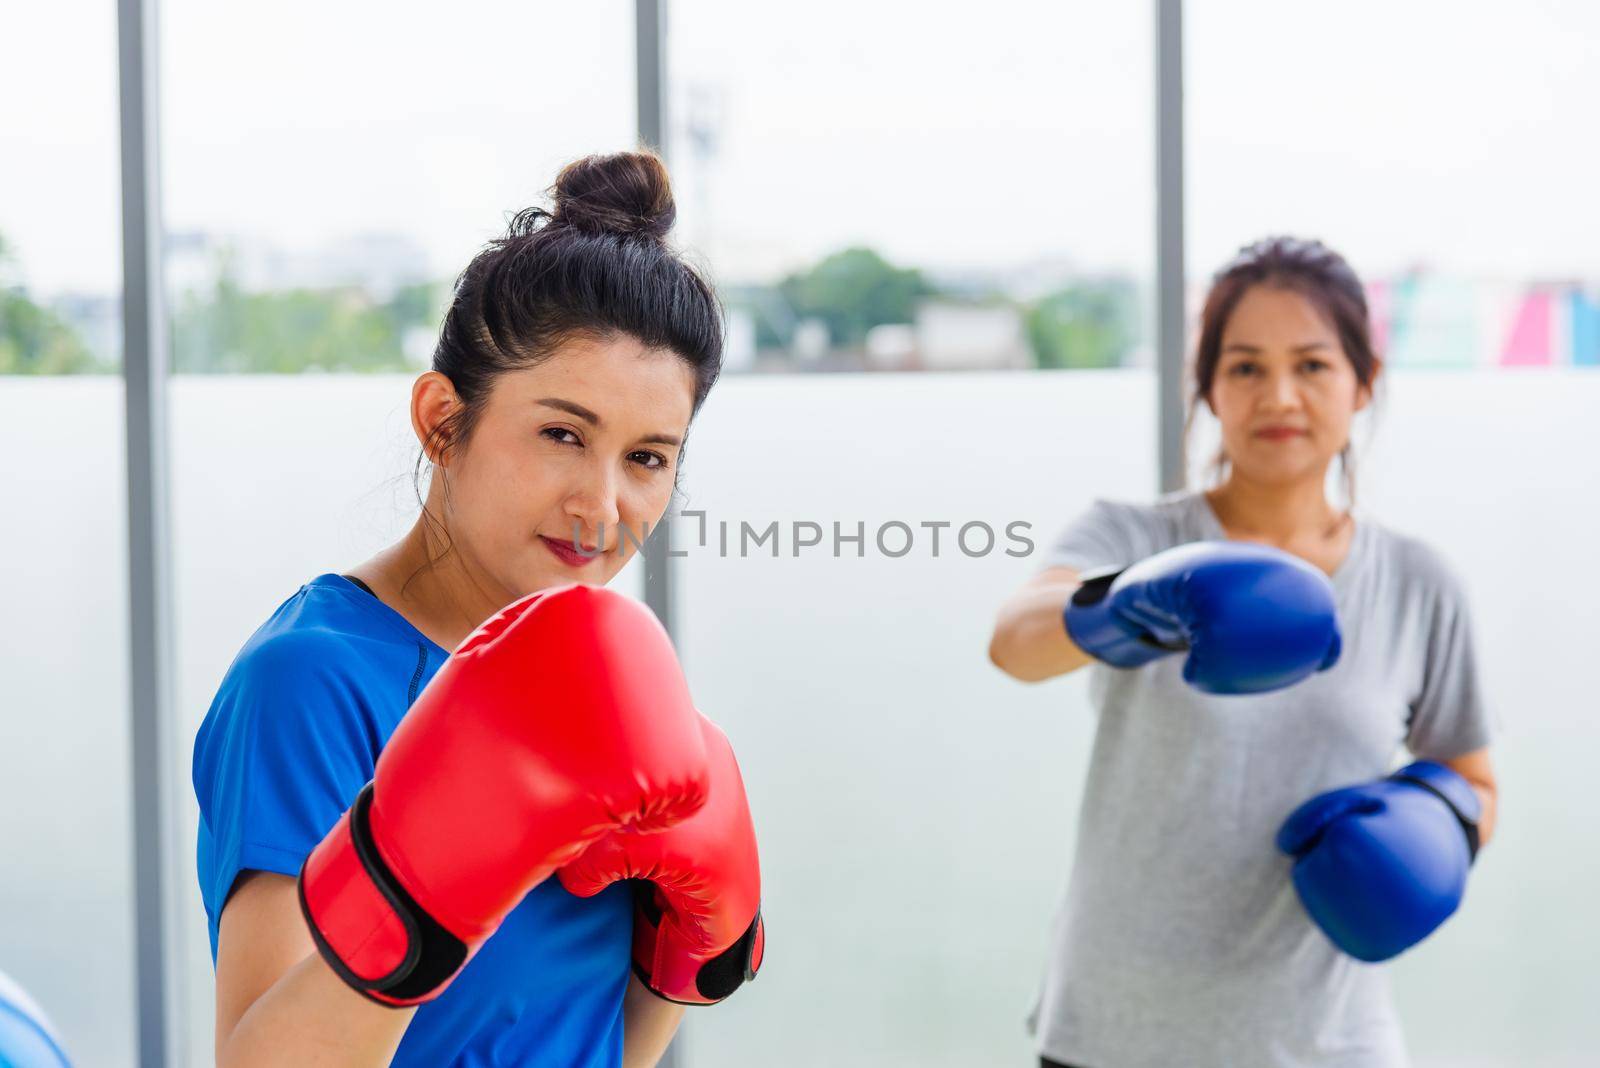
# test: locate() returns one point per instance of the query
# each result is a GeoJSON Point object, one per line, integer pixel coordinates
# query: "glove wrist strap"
{"type": "Point", "coordinates": [1098, 631]}
{"type": "Point", "coordinates": [714, 978]}
{"type": "Point", "coordinates": [1451, 788]}
{"type": "Point", "coordinates": [432, 954]}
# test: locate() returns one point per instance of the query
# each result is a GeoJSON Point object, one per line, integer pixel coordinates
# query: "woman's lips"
{"type": "Point", "coordinates": [567, 552]}
{"type": "Point", "coordinates": [1280, 433]}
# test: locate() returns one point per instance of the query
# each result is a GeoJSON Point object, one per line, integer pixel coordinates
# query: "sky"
{"type": "Point", "coordinates": [958, 137]}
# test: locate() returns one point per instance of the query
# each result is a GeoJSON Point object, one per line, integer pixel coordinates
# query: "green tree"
{"type": "Point", "coordinates": [1090, 324]}
{"type": "Point", "coordinates": [418, 304]}
{"type": "Point", "coordinates": [293, 330]}
{"type": "Point", "coordinates": [854, 290]}
{"type": "Point", "coordinates": [33, 339]}
{"type": "Point", "coordinates": [773, 317]}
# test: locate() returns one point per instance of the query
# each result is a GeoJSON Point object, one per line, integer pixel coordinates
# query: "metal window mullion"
{"type": "Point", "coordinates": [1170, 332]}
{"type": "Point", "coordinates": [650, 66]}
{"type": "Point", "coordinates": [144, 367]}
{"type": "Point", "coordinates": [650, 70]}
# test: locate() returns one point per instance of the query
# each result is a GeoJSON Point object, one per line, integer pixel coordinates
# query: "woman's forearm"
{"type": "Point", "coordinates": [1478, 770]}
{"type": "Point", "coordinates": [310, 1018]}
{"type": "Point", "coordinates": [648, 1024]}
{"type": "Point", "coordinates": [1030, 639]}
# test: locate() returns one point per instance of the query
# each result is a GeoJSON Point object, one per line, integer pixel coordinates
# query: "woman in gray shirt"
{"type": "Point", "coordinates": [1181, 940]}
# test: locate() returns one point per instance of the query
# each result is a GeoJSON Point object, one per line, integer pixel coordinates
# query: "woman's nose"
{"type": "Point", "coordinates": [1283, 391]}
{"type": "Point", "coordinates": [592, 504]}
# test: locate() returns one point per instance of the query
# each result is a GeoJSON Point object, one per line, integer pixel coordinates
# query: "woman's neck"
{"type": "Point", "coordinates": [435, 591]}
{"type": "Point", "coordinates": [1279, 514]}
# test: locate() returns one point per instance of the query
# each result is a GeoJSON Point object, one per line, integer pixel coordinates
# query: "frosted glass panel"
{"type": "Point", "coordinates": [66, 890]}
{"type": "Point", "coordinates": [916, 808]}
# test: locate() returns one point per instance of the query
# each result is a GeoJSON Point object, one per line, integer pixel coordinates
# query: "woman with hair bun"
{"type": "Point", "coordinates": [415, 857]}
{"type": "Point", "coordinates": [1264, 658]}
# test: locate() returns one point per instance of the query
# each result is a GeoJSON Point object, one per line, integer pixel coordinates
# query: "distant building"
{"type": "Point", "coordinates": [739, 346]}
{"type": "Point", "coordinates": [1025, 281]}
{"type": "Point", "coordinates": [379, 263]}
{"type": "Point", "coordinates": [810, 343]}
{"type": "Point", "coordinates": [892, 347]}
{"type": "Point", "coordinates": [964, 337]}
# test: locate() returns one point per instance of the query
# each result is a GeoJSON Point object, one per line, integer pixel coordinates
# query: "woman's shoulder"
{"type": "Point", "coordinates": [320, 628]}
{"type": "Point", "coordinates": [1413, 564]}
{"type": "Point", "coordinates": [328, 654]}
{"type": "Point", "coordinates": [332, 622]}
{"type": "Point", "coordinates": [295, 729]}
{"type": "Point", "coordinates": [1115, 533]}
{"type": "Point", "coordinates": [1170, 519]}
{"type": "Point", "coordinates": [1165, 510]}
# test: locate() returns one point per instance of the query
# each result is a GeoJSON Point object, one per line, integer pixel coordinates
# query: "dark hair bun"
{"type": "Point", "coordinates": [626, 193]}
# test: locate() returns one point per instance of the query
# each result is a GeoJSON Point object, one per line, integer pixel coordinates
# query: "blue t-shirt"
{"type": "Point", "coordinates": [293, 735]}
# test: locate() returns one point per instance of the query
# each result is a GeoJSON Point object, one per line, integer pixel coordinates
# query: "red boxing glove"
{"type": "Point", "coordinates": [697, 930]}
{"type": "Point", "coordinates": [563, 717]}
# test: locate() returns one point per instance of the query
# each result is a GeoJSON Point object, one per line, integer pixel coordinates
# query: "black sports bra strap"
{"type": "Point", "coordinates": [359, 584]}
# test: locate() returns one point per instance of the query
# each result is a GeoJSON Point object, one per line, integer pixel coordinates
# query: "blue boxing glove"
{"type": "Point", "coordinates": [27, 1040]}
{"type": "Point", "coordinates": [1379, 866]}
{"type": "Point", "coordinates": [1251, 618]}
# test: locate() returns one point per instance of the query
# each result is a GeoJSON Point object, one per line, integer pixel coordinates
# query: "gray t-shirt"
{"type": "Point", "coordinates": [1180, 940]}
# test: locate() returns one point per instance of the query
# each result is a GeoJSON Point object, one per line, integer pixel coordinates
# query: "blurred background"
{"type": "Point", "coordinates": [935, 231]}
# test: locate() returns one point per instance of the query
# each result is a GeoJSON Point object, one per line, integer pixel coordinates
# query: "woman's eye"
{"type": "Point", "coordinates": [646, 458]}
{"type": "Point", "coordinates": [1240, 370]}
{"type": "Point", "coordinates": [1314, 365]}
{"type": "Point", "coordinates": [561, 434]}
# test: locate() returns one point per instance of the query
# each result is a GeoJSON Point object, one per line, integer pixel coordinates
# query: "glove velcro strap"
{"type": "Point", "coordinates": [1443, 782]}
{"type": "Point", "coordinates": [431, 956]}
{"type": "Point", "coordinates": [734, 966]}
{"type": "Point", "coordinates": [1092, 627]}
{"type": "Point", "coordinates": [715, 979]}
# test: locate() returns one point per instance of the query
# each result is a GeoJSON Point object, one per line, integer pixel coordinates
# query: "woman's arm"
{"type": "Point", "coordinates": [1030, 640]}
{"type": "Point", "coordinates": [1477, 770]}
{"type": "Point", "coordinates": [278, 1003]}
{"type": "Point", "coordinates": [648, 1024]}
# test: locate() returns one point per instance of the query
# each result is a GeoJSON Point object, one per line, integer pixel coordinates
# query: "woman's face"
{"type": "Point", "coordinates": [1284, 391]}
{"type": "Point", "coordinates": [577, 452]}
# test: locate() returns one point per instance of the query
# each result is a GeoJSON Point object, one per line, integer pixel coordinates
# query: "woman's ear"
{"type": "Point", "coordinates": [433, 404]}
